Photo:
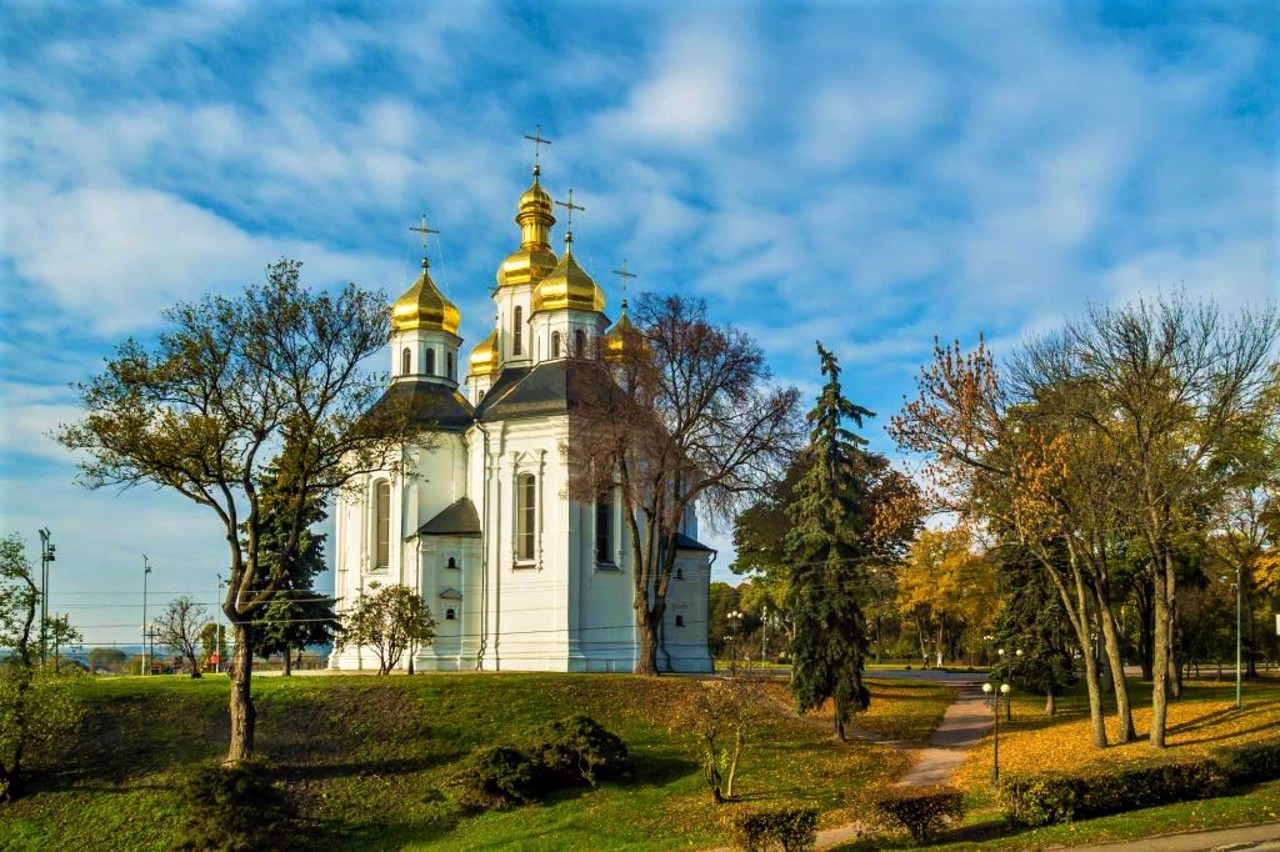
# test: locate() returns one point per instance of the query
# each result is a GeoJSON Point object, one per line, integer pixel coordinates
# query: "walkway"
{"type": "Point", "coordinates": [1256, 838]}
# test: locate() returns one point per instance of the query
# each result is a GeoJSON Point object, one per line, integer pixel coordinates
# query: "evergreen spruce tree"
{"type": "Point", "coordinates": [297, 615]}
{"type": "Point", "coordinates": [831, 515]}
{"type": "Point", "coordinates": [1033, 622]}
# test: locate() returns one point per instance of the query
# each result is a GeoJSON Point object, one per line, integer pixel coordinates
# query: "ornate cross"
{"type": "Point", "coordinates": [624, 275]}
{"type": "Point", "coordinates": [424, 230]}
{"type": "Point", "coordinates": [570, 206]}
{"type": "Point", "coordinates": [538, 142]}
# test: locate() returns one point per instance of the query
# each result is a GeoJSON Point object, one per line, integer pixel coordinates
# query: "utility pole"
{"type": "Point", "coordinates": [1239, 672]}
{"type": "Point", "coordinates": [146, 569]}
{"type": "Point", "coordinates": [47, 551]}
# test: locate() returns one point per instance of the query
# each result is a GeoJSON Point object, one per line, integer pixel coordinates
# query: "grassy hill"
{"type": "Point", "coordinates": [368, 759]}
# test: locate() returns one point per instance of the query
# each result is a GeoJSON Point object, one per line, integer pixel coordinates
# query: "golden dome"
{"type": "Point", "coordinates": [534, 258]}
{"type": "Point", "coordinates": [615, 339]}
{"type": "Point", "coordinates": [423, 306]}
{"type": "Point", "coordinates": [567, 286]}
{"type": "Point", "coordinates": [484, 358]}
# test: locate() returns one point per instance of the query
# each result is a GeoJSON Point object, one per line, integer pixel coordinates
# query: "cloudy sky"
{"type": "Point", "coordinates": [868, 174]}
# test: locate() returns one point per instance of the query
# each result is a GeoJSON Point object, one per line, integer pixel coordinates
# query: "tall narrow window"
{"type": "Point", "coordinates": [431, 362]}
{"type": "Point", "coordinates": [406, 361]}
{"type": "Point", "coordinates": [580, 343]}
{"type": "Point", "coordinates": [448, 362]}
{"type": "Point", "coordinates": [604, 528]}
{"type": "Point", "coordinates": [555, 344]}
{"type": "Point", "coordinates": [517, 332]}
{"type": "Point", "coordinates": [382, 525]}
{"type": "Point", "coordinates": [525, 516]}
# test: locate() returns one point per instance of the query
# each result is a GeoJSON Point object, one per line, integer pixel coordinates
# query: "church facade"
{"type": "Point", "coordinates": [517, 575]}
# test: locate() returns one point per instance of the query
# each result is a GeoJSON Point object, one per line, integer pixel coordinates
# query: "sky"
{"type": "Point", "coordinates": [867, 174]}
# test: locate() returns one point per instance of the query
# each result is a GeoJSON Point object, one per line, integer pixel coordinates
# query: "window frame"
{"type": "Point", "coordinates": [526, 527]}
{"type": "Point", "coordinates": [381, 538]}
{"type": "Point", "coordinates": [517, 333]}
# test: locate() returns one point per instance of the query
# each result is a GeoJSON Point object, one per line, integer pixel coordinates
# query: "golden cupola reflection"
{"type": "Point", "coordinates": [484, 358]}
{"type": "Point", "coordinates": [534, 258]}
{"type": "Point", "coordinates": [424, 306]}
{"type": "Point", "coordinates": [568, 286]}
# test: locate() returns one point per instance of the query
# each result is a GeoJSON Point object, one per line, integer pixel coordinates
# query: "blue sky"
{"type": "Point", "coordinates": [870, 174]}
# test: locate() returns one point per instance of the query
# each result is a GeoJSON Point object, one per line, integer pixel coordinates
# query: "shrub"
{"type": "Point", "coordinates": [577, 749]}
{"type": "Point", "coordinates": [496, 778]}
{"type": "Point", "coordinates": [922, 810]}
{"type": "Point", "coordinates": [1053, 797]}
{"type": "Point", "coordinates": [234, 809]}
{"type": "Point", "coordinates": [793, 829]}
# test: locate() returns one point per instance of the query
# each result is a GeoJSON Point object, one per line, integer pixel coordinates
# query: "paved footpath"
{"type": "Point", "coordinates": [1252, 837]}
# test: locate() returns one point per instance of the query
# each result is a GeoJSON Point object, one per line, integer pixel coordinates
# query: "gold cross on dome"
{"type": "Point", "coordinates": [624, 275]}
{"type": "Point", "coordinates": [424, 230]}
{"type": "Point", "coordinates": [570, 206]}
{"type": "Point", "coordinates": [538, 141]}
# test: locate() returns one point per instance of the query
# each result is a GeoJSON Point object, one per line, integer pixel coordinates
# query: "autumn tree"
{"type": "Point", "coordinates": [1171, 390]}
{"type": "Point", "coordinates": [834, 537]}
{"type": "Point", "coordinates": [682, 414]}
{"type": "Point", "coordinates": [180, 627]}
{"type": "Point", "coordinates": [228, 385]}
{"type": "Point", "coordinates": [948, 588]}
{"type": "Point", "coordinates": [719, 718]}
{"type": "Point", "coordinates": [389, 620]}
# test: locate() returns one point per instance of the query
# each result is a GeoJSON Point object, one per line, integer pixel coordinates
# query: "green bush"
{"type": "Point", "coordinates": [793, 829]}
{"type": "Point", "coordinates": [496, 778]}
{"type": "Point", "coordinates": [234, 809]}
{"type": "Point", "coordinates": [577, 749]}
{"type": "Point", "coordinates": [922, 810]}
{"type": "Point", "coordinates": [1054, 797]}
{"type": "Point", "coordinates": [1253, 762]}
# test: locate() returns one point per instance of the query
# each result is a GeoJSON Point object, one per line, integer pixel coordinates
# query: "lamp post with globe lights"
{"type": "Point", "coordinates": [734, 618]}
{"type": "Point", "coordinates": [990, 689]}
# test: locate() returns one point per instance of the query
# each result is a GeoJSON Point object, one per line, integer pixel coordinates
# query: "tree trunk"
{"type": "Point", "coordinates": [1142, 596]}
{"type": "Point", "coordinates": [647, 662]}
{"type": "Point", "coordinates": [1111, 642]}
{"type": "Point", "coordinates": [839, 727]}
{"type": "Point", "coordinates": [1050, 704]}
{"type": "Point", "coordinates": [243, 714]}
{"type": "Point", "coordinates": [287, 669]}
{"type": "Point", "coordinates": [1160, 663]}
{"type": "Point", "coordinates": [733, 763]}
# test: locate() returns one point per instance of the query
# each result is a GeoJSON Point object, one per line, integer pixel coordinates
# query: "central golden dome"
{"type": "Point", "coordinates": [484, 358]}
{"type": "Point", "coordinates": [534, 258]}
{"type": "Point", "coordinates": [568, 286]}
{"type": "Point", "coordinates": [424, 306]}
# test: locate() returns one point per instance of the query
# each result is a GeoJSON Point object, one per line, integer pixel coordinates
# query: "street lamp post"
{"type": "Point", "coordinates": [1239, 672]}
{"type": "Point", "coordinates": [47, 551]}
{"type": "Point", "coordinates": [217, 620]}
{"type": "Point", "coordinates": [764, 635]}
{"type": "Point", "coordinates": [146, 569]}
{"type": "Point", "coordinates": [734, 617]}
{"type": "Point", "coordinates": [990, 689]}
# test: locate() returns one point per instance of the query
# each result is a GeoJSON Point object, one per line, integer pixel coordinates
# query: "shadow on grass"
{"type": "Point", "coordinates": [361, 769]}
{"type": "Point", "coordinates": [650, 769]}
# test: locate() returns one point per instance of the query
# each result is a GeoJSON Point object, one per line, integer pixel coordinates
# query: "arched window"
{"type": "Point", "coordinates": [679, 573]}
{"type": "Point", "coordinates": [450, 615]}
{"type": "Point", "coordinates": [604, 528]}
{"type": "Point", "coordinates": [431, 362]}
{"type": "Point", "coordinates": [679, 620]}
{"type": "Point", "coordinates": [555, 344]}
{"type": "Point", "coordinates": [382, 525]}
{"type": "Point", "coordinates": [580, 343]}
{"type": "Point", "coordinates": [448, 363]}
{"type": "Point", "coordinates": [525, 516]}
{"type": "Point", "coordinates": [406, 361]}
{"type": "Point", "coordinates": [517, 332]}
{"type": "Point", "coordinates": [480, 397]}
{"type": "Point", "coordinates": [452, 562]}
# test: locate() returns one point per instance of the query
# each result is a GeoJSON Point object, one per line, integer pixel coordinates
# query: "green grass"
{"type": "Point", "coordinates": [368, 759]}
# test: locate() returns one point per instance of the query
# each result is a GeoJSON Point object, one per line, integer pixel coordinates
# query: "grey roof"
{"type": "Point", "coordinates": [683, 542]}
{"type": "Point", "coordinates": [431, 404]}
{"type": "Point", "coordinates": [459, 518]}
{"type": "Point", "coordinates": [552, 387]}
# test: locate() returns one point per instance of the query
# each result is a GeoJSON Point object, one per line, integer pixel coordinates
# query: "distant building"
{"type": "Point", "coordinates": [518, 576]}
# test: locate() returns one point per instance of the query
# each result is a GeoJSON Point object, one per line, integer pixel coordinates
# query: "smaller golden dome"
{"type": "Point", "coordinates": [535, 198]}
{"type": "Point", "coordinates": [568, 286]}
{"type": "Point", "coordinates": [615, 339]}
{"type": "Point", "coordinates": [484, 358]}
{"type": "Point", "coordinates": [424, 306]}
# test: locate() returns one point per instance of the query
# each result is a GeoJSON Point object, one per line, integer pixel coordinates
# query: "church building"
{"type": "Point", "coordinates": [517, 575]}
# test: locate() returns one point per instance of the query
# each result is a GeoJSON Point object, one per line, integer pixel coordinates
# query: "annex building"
{"type": "Point", "coordinates": [518, 576]}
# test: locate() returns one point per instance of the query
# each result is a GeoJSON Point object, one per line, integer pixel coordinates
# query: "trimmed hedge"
{"type": "Point", "coordinates": [794, 829]}
{"type": "Point", "coordinates": [922, 810]}
{"type": "Point", "coordinates": [1053, 797]}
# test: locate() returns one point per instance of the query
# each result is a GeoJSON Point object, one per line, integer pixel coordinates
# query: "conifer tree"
{"type": "Point", "coordinates": [832, 517]}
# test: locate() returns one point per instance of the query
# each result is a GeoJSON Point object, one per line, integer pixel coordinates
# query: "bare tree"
{"type": "Point", "coordinates": [228, 386]}
{"type": "Point", "coordinates": [180, 627]}
{"type": "Point", "coordinates": [686, 414]}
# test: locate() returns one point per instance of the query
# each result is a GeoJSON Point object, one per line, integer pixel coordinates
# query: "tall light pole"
{"type": "Point", "coordinates": [989, 688]}
{"type": "Point", "coordinates": [47, 551]}
{"type": "Point", "coordinates": [217, 620]}
{"type": "Point", "coordinates": [146, 569]}
{"type": "Point", "coordinates": [1239, 672]}
{"type": "Point", "coordinates": [733, 618]}
{"type": "Point", "coordinates": [764, 634]}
